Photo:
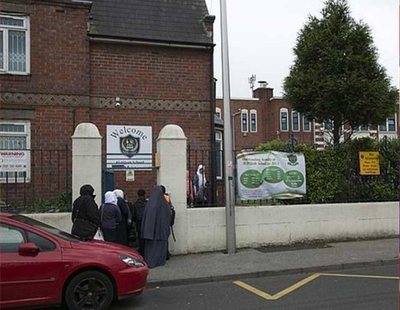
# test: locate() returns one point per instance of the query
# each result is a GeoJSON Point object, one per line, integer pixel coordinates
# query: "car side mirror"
{"type": "Point", "coordinates": [28, 249]}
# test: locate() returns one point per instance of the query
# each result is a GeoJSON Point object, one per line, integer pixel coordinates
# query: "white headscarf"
{"type": "Point", "coordinates": [201, 176]}
{"type": "Point", "coordinates": [119, 193]}
{"type": "Point", "coordinates": [110, 197]}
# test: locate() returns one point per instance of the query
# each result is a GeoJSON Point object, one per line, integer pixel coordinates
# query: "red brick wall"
{"type": "Point", "coordinates": [150, 72]}
{"type": "Point", "coordinates": [59, 53]}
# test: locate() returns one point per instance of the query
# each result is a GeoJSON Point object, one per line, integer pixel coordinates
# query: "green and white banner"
{"type": "Point", "coordinates": [265, 175]}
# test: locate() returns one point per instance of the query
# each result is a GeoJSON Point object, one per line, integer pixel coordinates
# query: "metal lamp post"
{"type": "Point", "coordinates": [229, 181]}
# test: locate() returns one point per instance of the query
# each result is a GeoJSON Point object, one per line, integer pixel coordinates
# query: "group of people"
{"type": "Point", "coordinates": [152, 218]}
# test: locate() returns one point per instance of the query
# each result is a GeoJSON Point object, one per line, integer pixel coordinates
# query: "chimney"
{"type": "Point", "coordinates": [262, 91]}
{"type": "Point", "coordinates": [208, 24]}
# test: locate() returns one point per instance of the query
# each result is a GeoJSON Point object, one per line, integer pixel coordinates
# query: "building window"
{"type": "Point", "coordinates": [390, 124]}
{"type": "Point", "coordinates": [218, 154]}
{"type": "Point", "coordinates": [328, 125]}
{"type": "Point", "coordinates": [253, 120]}
{"type": "Point", "coordinates": [15, 136]}
{"type": "Point", "coordinates": [14, 44]}
{"type": "Point", "coordinates": [245, 121]}
{"type": "Point", "coordinates": [218, 113]}
{"type": "Point", "coordinates": [295, 121]}
{"type": "Point", "coordinates": [284, 119]}
{"type": "Point", "coordinates": [306, 123]}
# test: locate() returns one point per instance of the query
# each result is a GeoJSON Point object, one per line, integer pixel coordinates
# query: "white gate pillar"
{"type": "Point", "coordinates": [86, 159]}
{"type": "Point", "coordinates": [171, 157]}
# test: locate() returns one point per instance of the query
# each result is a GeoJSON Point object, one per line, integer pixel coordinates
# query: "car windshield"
{"type": "Point", "coordinates": [45, 227]}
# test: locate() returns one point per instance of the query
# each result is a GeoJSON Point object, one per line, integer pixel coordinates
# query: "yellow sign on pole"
{"type": "Point", "coordinates": [369, 163]}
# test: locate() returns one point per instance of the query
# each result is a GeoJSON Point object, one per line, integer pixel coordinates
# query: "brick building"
{"type": "Point", "coordinates": [109, 62]}
{"type": "Point", "coordinates": [264, 118]}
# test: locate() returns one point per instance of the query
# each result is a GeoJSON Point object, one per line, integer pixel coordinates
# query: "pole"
{"type": "Point", "coordinates": [229, 177]}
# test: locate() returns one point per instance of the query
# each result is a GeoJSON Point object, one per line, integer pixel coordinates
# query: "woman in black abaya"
{"type": "Point", "coordinates": [156, 225]}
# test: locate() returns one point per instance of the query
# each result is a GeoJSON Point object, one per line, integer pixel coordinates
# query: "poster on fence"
{"type": "Point", "coordinates": [266, 175]}
{"type": "Point", "coordinates": [13, 161]}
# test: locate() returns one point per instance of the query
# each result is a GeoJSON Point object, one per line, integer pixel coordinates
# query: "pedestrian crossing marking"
{"type": "Point", "coordinates": [305, 281]}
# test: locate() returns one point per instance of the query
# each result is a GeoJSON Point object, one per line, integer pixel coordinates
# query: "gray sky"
{"type": "Point", "coordinates": [262, 34]}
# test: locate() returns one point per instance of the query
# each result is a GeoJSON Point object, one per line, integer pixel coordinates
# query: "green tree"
{"type": "Point", "coordinates": [336, 76]}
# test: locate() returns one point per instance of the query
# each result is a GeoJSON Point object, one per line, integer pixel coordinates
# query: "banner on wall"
{"type": "Point", "coordinates": [266, 175]}
{"type": "Point", "coordinates": [129, 147]}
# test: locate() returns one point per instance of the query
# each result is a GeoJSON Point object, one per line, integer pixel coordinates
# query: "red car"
{"type": "Point", "coordinates": [41, 265]}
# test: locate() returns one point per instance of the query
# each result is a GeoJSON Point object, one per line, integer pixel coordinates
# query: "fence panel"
{"type": "Point", "coordinates": [44, 186]}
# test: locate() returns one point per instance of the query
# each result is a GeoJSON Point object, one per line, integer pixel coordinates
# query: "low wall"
{"type": "Point", "coordinates": [266, 225]}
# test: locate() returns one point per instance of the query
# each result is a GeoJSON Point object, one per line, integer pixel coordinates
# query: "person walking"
{"type": "Point", "coordinates": [85, 214]}
{"type": "Point", "coordinates": [199, 186]}
{"type": "Point", "coordinates": [137, 216]}
{"type": "Point", "coordinates": [110, 217]}
{"type": "Point", "coordinates": [124, 225]}
{"type": "Point", "coordinates": [155, 229]}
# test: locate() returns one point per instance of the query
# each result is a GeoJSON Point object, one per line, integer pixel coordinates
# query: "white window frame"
{"type": "Point", "coordinates": [244, 116]}
{"type": "Point", "coordinates": [218, 113]}
{"type": "Point", "coordinates": [283, 111]}
{"type": "Point", "coordinates": [386, 124]}
{"type": "Point", "coordinates": [5, 28]}
{"type": "Point", "coordinates": [219, 137]}
{"type": "Point", "coordinates": [298, 121]}
{"type": "Point", "coordinates": [253, 113]}
{"type": "Point", "coordinates": [27, 134]}
{"type": "Point", "coordinates": [304, 119]}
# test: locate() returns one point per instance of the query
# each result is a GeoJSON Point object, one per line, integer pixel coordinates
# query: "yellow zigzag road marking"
{"type": "Point", "coordinates": [304, 282]}
{"type": "Point", "coordinates": [279, 294]}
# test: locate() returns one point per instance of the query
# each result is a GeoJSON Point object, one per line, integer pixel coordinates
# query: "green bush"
{"type": "Point", "coordinates": [332, 175]}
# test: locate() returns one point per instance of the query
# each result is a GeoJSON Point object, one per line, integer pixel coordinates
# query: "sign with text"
{"type": "Point", "coordinates": [369, 163]}
{"type": "Point", "coordinates": [129, 147]}
{"type": "Point", "coordinates": [266, 175]}
{"type": "Point", "coordinates": [13, 161]}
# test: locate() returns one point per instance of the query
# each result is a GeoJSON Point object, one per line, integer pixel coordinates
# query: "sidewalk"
{"type": "Point", "coordinates": [216, 266]}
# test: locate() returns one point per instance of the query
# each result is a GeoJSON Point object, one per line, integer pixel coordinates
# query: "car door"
{"type": "Point", "coordinates": [28, 278]}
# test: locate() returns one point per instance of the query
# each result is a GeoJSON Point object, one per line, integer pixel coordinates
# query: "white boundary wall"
{"type": "Point", "coordinates": [265, 225]}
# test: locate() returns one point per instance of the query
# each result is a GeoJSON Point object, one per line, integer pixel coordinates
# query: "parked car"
{"type": "Point", "coordinates": [42, 265]}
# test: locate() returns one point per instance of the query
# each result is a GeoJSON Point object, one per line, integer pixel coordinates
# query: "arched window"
{"type": "Point", "coordinates": [295, 121]}
{"type": "Point", "coordinates": [283, 119]}
{"type": "Point", "coordinates": [253, 120]}
{"type": "Point", "coordinates": [244, 121]}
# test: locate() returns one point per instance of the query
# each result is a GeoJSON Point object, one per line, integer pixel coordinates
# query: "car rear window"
{"type": "Point", "coordinates": [43, 226]}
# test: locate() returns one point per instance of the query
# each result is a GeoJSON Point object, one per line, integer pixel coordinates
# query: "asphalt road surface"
{"type": "Point", "coordinates": [372, 288]}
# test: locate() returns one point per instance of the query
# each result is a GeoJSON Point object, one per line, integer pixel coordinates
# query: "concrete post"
{"type": "Point", "coordinates": [86, 159]}
{"type": "Point", "coordinates": [171, 152]}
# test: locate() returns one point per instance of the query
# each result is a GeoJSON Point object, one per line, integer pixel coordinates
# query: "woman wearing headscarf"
{"type": "Point", "coordinates": [156, 225]}
{"type": "Point", "coordinates": [199, 185]}
{"type": "Point", "coordinates": [110, 217]}
{"type": "Point", "coordinates": [123, 226]}
{"type": "Point", "coordinates": [85, 214]}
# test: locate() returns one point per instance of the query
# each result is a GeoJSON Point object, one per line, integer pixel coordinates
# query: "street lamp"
{"type": "Point", "coordinates": [234, 129]}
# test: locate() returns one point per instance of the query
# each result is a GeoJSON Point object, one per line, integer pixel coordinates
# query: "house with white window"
{"type": "Point", "coordinates": [266, 117]}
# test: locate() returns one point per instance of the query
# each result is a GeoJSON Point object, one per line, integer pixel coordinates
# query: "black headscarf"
{"type": "Point", "coordinates": [157, 217]}
{"type": "Point", "coordinates": [86, 189]}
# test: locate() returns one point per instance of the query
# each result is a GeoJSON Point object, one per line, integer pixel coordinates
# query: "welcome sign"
{"type": "Point", "coordinates": [129, 147]}
{"type": "Point", "coordinates": [266, 175]}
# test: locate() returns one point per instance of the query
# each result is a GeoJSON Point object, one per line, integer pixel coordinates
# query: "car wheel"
{"type": "Point", "coordinates": [89, 290]}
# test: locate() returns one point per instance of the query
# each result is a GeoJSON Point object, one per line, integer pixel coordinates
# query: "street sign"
{"type": "Point", "coordinates": [369, 163]}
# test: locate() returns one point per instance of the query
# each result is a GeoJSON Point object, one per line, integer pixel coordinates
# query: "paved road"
{"type": "Point", "coordinates": [368, 288]}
